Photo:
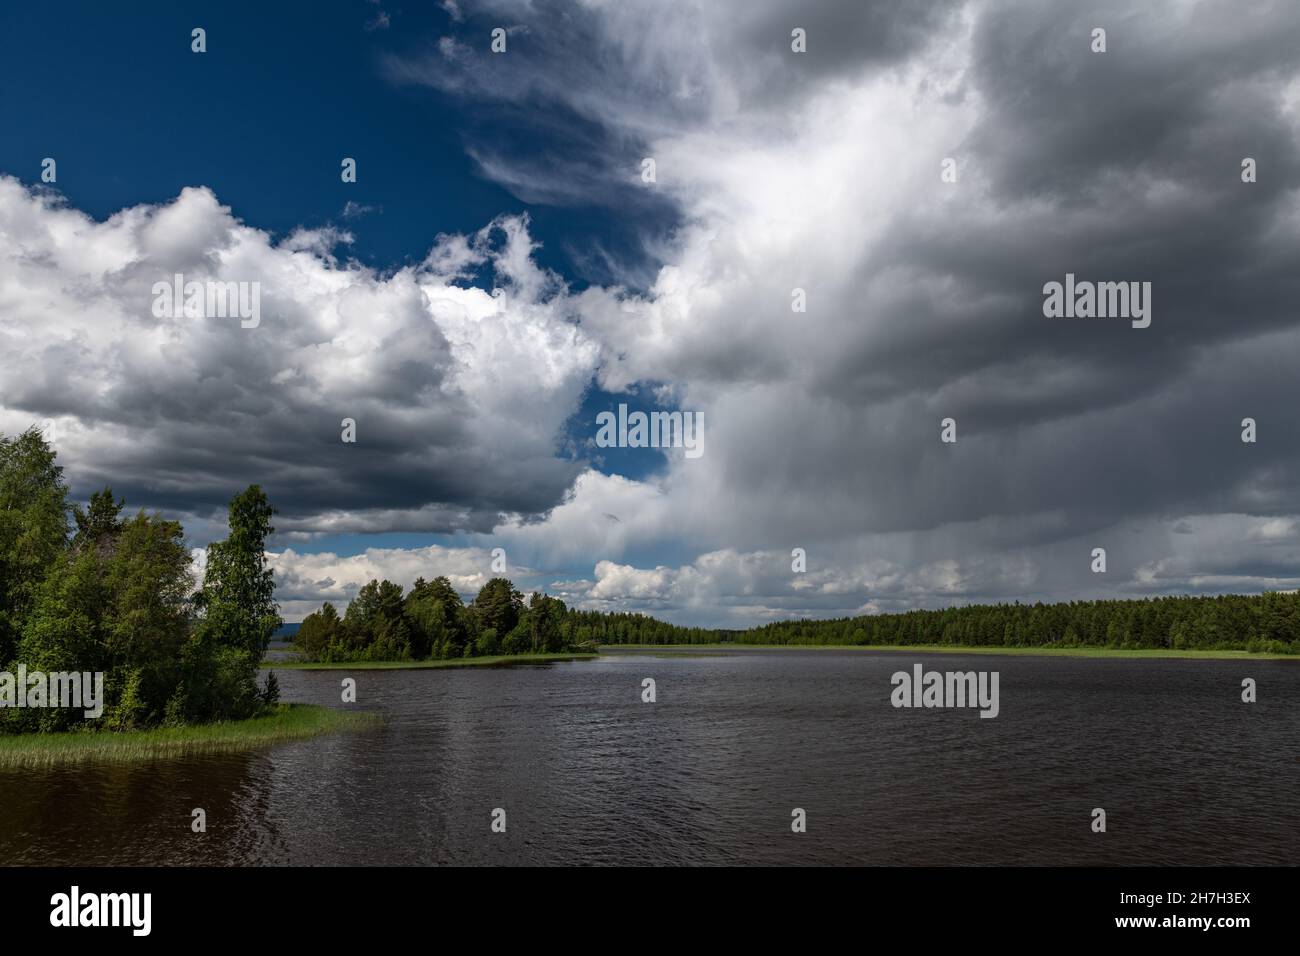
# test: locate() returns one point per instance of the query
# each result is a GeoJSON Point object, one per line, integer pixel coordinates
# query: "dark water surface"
{"type": "Point", "coordinates": [587, 773]}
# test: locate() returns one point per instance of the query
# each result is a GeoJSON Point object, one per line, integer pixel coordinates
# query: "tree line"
{"type": "Point", "coordinates": [89, 590]}
{"type": "Point", "coordinates": [432, 622]}
{"type": "Point", "coordinates": [1268, 622]}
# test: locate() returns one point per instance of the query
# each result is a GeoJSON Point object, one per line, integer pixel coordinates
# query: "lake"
{"type": "Point", "coordinates": [710, 772]}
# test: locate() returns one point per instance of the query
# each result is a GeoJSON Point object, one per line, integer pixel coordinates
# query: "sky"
{"type": "Point", "coordinates": [502, 270]}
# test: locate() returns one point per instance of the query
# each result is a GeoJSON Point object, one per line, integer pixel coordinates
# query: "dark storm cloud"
{"type": "Point", "coordinates": [1182, 92]}
{"type": "Point", "coordinates": [1103, 141]}
{"type": "Point", "coordinates": [1117, 166]}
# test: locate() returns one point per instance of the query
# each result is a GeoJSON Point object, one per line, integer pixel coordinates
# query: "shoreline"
{"type": "Point", "coordinates": [287, 722]}
{"type": "Point", "coordinates": [496, 660]}
{"type": "Point", "coordinates": [1149, 653]}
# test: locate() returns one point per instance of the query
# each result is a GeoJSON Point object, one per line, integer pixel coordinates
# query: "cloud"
{"type": "Point", "coordinates": [776, 171]}
{"type": "Point", "coordinates": [821, 172]}
{"type": "Point", "coordinates": [355, 210]}
{"type": "Point", "coordinates": [459, 392]}
{"type": "Point", "coordinates": [728, 588]}
{"type": "Point", "coordinates": [305, 581]}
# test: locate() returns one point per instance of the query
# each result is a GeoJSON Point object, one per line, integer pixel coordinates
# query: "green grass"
{"type": "Point", "coordinates": [1227, 655]}
{"type": "Point", "coordinates": [492, 661]}
{"type": "Point", "coordinates": [288, 722]}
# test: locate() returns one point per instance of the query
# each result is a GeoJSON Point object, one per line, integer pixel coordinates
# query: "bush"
{"type": "Point", "coordinates": [271, 690]}
{"type": "Point", "coordinates": [488, 644]}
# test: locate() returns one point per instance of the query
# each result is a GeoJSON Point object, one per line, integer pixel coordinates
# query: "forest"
{"type": "Point", "coordinates": [93, 590]}
{"type": "Point", "coordinates": [1268, 623]}
{"type": "Point", "coordinates": [432, 622]}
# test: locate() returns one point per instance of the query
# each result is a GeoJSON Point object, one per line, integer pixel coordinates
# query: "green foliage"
{"type": "Point", "coordinates": [431, 623]}
{"type": "Point", "coordinates": [236, 616]}
{"type": "Point", "coordinates": [317, 632]}
{"type": "Point", "coordinates": [440, 622]}
{"type": "Point", "coordinates": [599, 627]}
{"type": "Point", "coordinates": [271, 690]}
{"type": "Point", "coordinates": [442, 628]}
{"type": "Point", "coordinates": [147, 579]}
{"type": "Point", "coordinates": [1269, 621]}
{"type": "Point", "coordinates": [116, 599]}
{"type": "Point", "coordinates": [282, 722]}
{"type": "Point", "coordinates": [545, 624]}
{"type": "Point", "coordinates": [119, 607]}
{"type": "Point", "coordinates": [218, 683]}
{"type": "Point", "coordinates": [99, 521]}
{"type": "Point", "coordinates": [237, 600]}
{"type": "Point", "coordinates": [498, 606]}
{"type": "Point", "coordinates": [33, 528]}
{"type": "Point", "coordinates": [488, 644]}
{"type": "Point", "coordinates": [130, 710]}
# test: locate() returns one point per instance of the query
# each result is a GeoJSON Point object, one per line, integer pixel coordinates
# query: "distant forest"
{"type": "Point", "coordinates": [1268, 622]}
{"type": "Point", "coordinates": [431, 621]}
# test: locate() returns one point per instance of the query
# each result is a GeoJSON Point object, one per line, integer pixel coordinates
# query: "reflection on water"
{"type": "Point", "coordinates": [588, 773]}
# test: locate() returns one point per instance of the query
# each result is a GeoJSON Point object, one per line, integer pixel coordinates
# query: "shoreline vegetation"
{"type": "Point", "coordinates": [431, 624]}
{"type": "Point", "coordinates": [496, 660]}
{"type": "Point", "coordinates": [113, 596]}
{"type": "Point", "coordinates": [1149, 653]}
{"type": "Point", "coordinates": [283, 722]}
{"type": "Point", "coordinates": [706, 650]}
{"type": "Point", "coordinates": [95, 594]}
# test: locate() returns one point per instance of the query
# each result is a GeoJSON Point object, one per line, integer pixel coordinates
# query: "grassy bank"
{"type": "Point", "coordinates": [288, 722]}
{"type": "Point", "coordinates": [1227, 655]}
{"type": "Point", "coordinates": [498, 660]}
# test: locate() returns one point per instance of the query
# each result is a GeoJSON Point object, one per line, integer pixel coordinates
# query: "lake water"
{"type": "Point", "coordinates": [587, 773]}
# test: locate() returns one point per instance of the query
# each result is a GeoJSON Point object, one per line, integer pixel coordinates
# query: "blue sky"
{"type": "Point", "coordinates": [284, 92]}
